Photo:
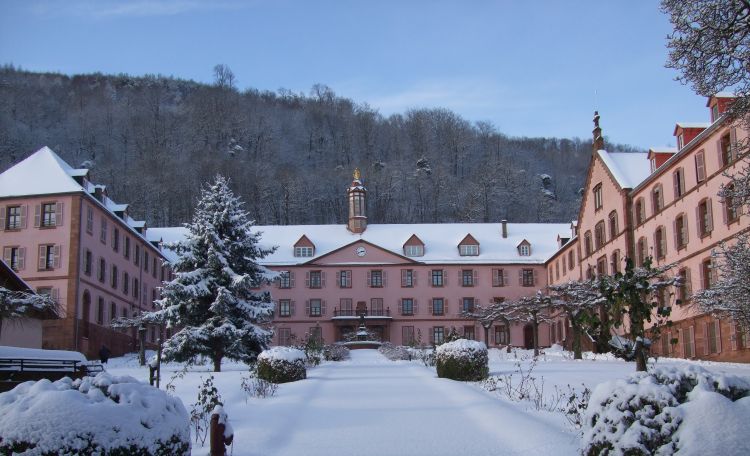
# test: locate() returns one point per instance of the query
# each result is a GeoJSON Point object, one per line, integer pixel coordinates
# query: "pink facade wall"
{"type": "Point", "coordinates": [392, 292]}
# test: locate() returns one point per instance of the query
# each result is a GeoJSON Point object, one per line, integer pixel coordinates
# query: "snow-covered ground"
{"type": "Point", "coordinates": [372, 406]}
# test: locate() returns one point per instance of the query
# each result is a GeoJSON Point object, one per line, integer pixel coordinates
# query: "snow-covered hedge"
{"type": "Point", "coordinates": [282, 364]}
{"type": "Point", "coordinates": [462, 359]}
{"type": "Point", "coordinates": [394, 352]}
{"type": "Point", "coordinates": [335, 352]}
{"type": "Point", "coordinates": [685, 410]}
{"type": "Point", "coordinates": [105, 416]}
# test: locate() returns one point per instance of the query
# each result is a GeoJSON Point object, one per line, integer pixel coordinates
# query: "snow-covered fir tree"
{"type": "Point", "coordinates": [213, 301]}
{"type": "Point", "coordinates": [728, 297]}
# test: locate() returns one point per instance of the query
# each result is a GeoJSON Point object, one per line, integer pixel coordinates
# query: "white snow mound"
{"type": "Point", "coordinates": [288, 354]}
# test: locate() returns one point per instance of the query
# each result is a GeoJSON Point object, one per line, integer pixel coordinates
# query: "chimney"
{"type": "Point", "coordinates": [598, 143]}
{"type": "Point", "coordinates": [505, 228]}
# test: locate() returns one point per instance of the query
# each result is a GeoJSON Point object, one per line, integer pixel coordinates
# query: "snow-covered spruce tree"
{"type": "Point", "coordinates": [580, 302]}
{"type": "Point", "coordinates": [212, 300]}
{"type": "Point", "coordinates": [728, 297]}
{"type": "Point", "coordinates": [634, 293]}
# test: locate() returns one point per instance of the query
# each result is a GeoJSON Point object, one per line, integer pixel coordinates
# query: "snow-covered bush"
{"type": "Point", "coordinates": [106, 415]}
{"type": "Point", "coordinates": [282, 364]}
{"type": "Point", "coordinates": [462, 359]}
{"type": "Point", "coordinates": [667, 411]}
{"type": "Point", "coordinates": [335, 352]}
{"type": "Point", "coordinates": [394, 352]}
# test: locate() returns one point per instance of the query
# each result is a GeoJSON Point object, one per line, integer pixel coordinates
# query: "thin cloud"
{"type": "Point", "coordinates": [140, 8]}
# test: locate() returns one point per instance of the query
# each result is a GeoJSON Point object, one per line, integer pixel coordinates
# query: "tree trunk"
{"type": "Point", "coordinates": [486, 335]}
{"type": "Point", "coordinates": [217, 363]}
{"type": "Point", "coordinates": [142, 346]}
{"type": "Point", "coordinates": [536, 338]}
{"type": "Point", "coordinates": [576, 340]}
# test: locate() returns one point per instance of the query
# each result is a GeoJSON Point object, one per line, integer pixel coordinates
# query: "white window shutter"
{"type": "Point", "coordinates": [474, 277]}
{"type": "Point", "coordinates": [24, 210]}
{"type": "Point", "coordinates": [291, 279]}
{"type": "Point", "coordinates": [385, 278]}
{"type": "Point", "coordinates": [534, 275]}
{"type": "Point", "coordinates": [403, 277]}
{"type": "Point", "coordinates": [369, 278]}
{"type": "Point", "coordinates": [506, 278]}
{"type": "Point", "coordinates": [460, 277]}
{"type": "Point", "coordinates": [349, 278]}
{"type": "Point", "coordinates": [520, 277]}
{"type": "Point", "coordinates": [37, 215]}
{"type": "Point", "coordinates": [6, 255]}
{"type": "Point", "coordinates": [710, 217]}
{"type": "Point", "coordinates": [414, 277]}
{"type": "Point", "coordinates": [416, 307]}
{"type": "Point", "coordinates": [323, 308]}
{"type": "Point", "coordinates": [733, 142]}
{"type": "Point", "coordinates": [698, 222]}
{"type": "Point", "coordinates": [55, 294]}
{"type": "Point", "coordinates": [400, 306]}
{"type": "Point", "coordinates": [706, 342]}
{"type": "Point", "coordinates": [21, 258]}
{"type": "Point", "coordinates": [59, 214]}
{"type": "Point", "coordinates": [291, 308]}
{"type": "Point", "coordinates": [42, 257]}
{"type": "Point", "coordinates": [676, 235]}
{"type": "Point", "coordinates": [338, 278]}
{"type": "Point", "coordinates": [718, 335]}
{"type": "Point", "coordinates": [688, 283]}
{"type": "Point", "coordinates": [322, 279]}
{"type": "Point", "coordinates": [307, 281]}
{"type": "Point", "coordinates": [2, 218]}
{"type": "Point", "coordinates": [445, 278]}
{"type": "Point", "coordinates": [307, 307]}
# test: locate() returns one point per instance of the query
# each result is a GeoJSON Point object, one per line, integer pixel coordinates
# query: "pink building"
{"type": "Point", "coordinates": [663, 204]}
{"type": "Point", "coordinates": [410, 281]}
{"type": "Point", "coordinates": [64, 236]}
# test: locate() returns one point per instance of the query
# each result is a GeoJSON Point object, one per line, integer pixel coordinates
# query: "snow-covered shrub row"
{"type": "Point", "coordinates": [395, 352]}
{"type": "Point", "coordinates": [105, 416]}
{"type": "Point", "coordinates": [335, 352]}
{"type": "Point", "coordinates": [462, 359]}
{"type": "Point", "coordinates": [282, 364]}
{"type": "Point", "coordinates": [669, 411]}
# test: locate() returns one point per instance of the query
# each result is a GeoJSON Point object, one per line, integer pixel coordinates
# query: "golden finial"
{"type": "Point", "coordinates": [356, 174]}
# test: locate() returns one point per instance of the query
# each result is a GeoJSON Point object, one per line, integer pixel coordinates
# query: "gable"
{"type": "Point", "coordinates": [414, 240]}
{"type": "Point", "coordinates": [361, 252]}
{"type": "Point", "coordinates": [304, 241]}
{"type": "Point", "coordinates": [469, 240]}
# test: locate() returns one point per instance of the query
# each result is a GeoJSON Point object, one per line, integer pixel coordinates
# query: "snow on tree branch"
{"type": "Point", "coordinates": [22, 304]}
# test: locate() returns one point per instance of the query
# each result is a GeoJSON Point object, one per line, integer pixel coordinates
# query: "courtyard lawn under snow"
{"type": "Point", "coordinates": [369, 405]}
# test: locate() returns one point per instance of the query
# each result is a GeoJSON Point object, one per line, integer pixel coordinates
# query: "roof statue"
{"type": "Point", "coordinates": [356, 174]}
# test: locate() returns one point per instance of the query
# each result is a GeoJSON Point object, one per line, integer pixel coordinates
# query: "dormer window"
{"type": "Point", "coordinates": [414, 247]}
{"type": "Point", "coordinates": [714, 112]}
{"type": "Point", "coordinates": [680, 141]}
{"type": "Point", "coordinates": [524, 248]}
{"type": "Point", "coordinates": [468, 246]}
{"type": "Point", "coordinates": [304, 247]}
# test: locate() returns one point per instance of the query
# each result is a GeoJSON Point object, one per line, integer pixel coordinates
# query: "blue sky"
{"type": "Point", "coordinates": [532, 68]}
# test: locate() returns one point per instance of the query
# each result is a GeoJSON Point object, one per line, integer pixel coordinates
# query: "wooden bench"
{"type": "Point", "coordinates": [18, 370]}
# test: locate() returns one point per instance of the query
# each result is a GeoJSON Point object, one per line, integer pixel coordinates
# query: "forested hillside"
{"type": "Point", "coordinates": [154, 140]}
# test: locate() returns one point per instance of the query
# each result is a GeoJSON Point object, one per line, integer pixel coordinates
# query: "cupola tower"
{"type": "Point", "coordinates": [357, 202]}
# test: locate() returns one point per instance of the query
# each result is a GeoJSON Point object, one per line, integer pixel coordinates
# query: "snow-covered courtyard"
{"type": "Point", "coordinates": [369, 405]}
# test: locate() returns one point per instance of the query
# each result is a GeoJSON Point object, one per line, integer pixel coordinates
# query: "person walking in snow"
{"type": "Point", "coordinates": [104, 354]}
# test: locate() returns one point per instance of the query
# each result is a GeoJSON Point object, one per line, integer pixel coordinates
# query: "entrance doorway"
{"type": "Point", "coordinates": [528, 336]}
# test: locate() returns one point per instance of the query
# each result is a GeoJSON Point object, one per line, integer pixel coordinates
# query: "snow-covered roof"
{"type": "Point", "coordinates": [45, 173]}
{"type": "Point", "coordinates": [628, 168]}
{"type": "Point", "coordinates": [664, 150]}
{"type": "Point", "coordinates": [725, 95]}
{"type": "Point", "coordinates": [693, 124]}
{"type": "Point", "coordinates": [441, 240]}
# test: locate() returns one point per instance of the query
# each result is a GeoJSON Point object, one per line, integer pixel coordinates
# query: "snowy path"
{"type": "Point", "coordinates": [372, 406]}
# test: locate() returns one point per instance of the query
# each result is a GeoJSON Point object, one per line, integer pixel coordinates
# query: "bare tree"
{"type": "Point", "coordinates": [579, 302]}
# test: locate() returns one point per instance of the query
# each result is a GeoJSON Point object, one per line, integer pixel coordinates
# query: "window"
{"type": "Point", "coordinates": [571, 259]}
{"type": "Point", "coordinates": [708, 273]}
{"type": "Point", "coordinates": [601, 266]}
{"type": "Point", "coordinates": [615, 265]}
{"type": "Point", "coordinates": [316, 333]}
{"type": "Point", "coordinates": [599, 235]}
{"type": "Point", "coordinates": [438, 335]}
{"type": "Point", "coordinates": [102, 271]}
{"type": "Point", "coordinates": [437, 278]}
{"type": "Point", "coordinates": [725, 150]}
{"type": "Point", "coordinates": [137, 255]}
{"type": "Point", "coordinates": [589, 272]}
{"type": "Point", "coordinates": [524, 249]}
{"type": "Point", "coordinates": [705, 219]}
{"type": "Point", "coordinates": [344, 279]}
{"type": "Point", "coordinates": [136, 288]}
{"type": "Point", "coordinates": [640, 211]}
{"type": "Point", "coordinates": [114, 276]}
{"type": "Point", "coordinates": [316, 279]}
{"type": "Point", "coordinates": [527, 277]}
{"type": "Point", "coordinates": [126, 250]}
{"type": "Point", "coordinates": [345, 306]}
{"type": "Point", "coordinates": [681, 231]}
{"type": "Point", "coordinates": [700, 166]}
{"type": "Point", "coordinates": [680, 141]}
{"type": "Point", "coordinates": [15, 217]}
{"type": "Point", "coordinates": [407, 335]}
{"type": "Point", "coordinates": [501, 335]}
{"type": "Point", "coordinates": [713, 334]}
{"type": "Point", "coordinates": [588, 248]}
{"type": "Point", "coordinates": [678, 180]}
{"type": "Point", "coordinates": [103, 232]}
{"type": "Point", "coordinates": [90, 220]}
{"type": "Point", "coordinates": [100, 311]}
{"type": "Point", "coordinates": [49, 257]}
{"type": "Point", "coordinates": [125, 282]}
{"type": "Point", "coordinates": [145, 260]}
{"type": "Point", "coordinates": [688, 339]}
{"type": "Point", "coordinates": [408, 278]}
{"type": "Point", "coordinates": [598, 202]}
{"type": "Point", "coordinates": [499, 278]}
{"type": "Point", "coordinates": [116, 239]}
{"type": "Point", "coordinates": [685, 289]}
{"type": "Point", "coordinates": [15, 257]}
{"type": "Point", "coordinates": [376, 278]}
{"type": "Point", "coordinates": [285, 279]}
{"type": "Point", "coordinates": [438, 306]}
{"type": "Point", "coordinates": [414, 250]}
{"type": "Point", "coordinates": [315, 308]}
{"type": "Point", "coordinates": [376, 307]}
{"type": "Point", "coordinates": [303, 251]}
{"type": "Point", "coordinates": [731, 211]}
{"type": "Point", "coordinates": [153, 268]}
{"type": "Point", "coordinates": [467, 304]}
{"type": "Point", "coordinates": [660, 242]}
{"type": "Point", "coordinates": [657, 199]}
{"type": "Point", "coordinates": [468, 250]}
{"type": "Point", "coordinates": [714, 112]}
{"type": "Point", "coordinates": [285, 308]}
{"type": "Point", "coordinates": [49, 215]}
{"type": "Point", "coordinates": [468, 277]}
{"type": "Point", "coordinates": [469, 332]}
{"type": "Point", "coordinates": [407, 306]}
{"type": "Point", "coordinates": [613, 228]}
{"type": "Point", "coordinates": [641, 251]}
{"type": "Point", "coordinates": [285, 337]}
{"type": "Point", "coordinates": [112, 311]}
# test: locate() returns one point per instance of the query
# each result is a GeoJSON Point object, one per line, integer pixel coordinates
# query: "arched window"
{"type": "Point", "coordinates": [642, 251]}
{"type": "Point", "coordinates": [587, 243]}
{"type": "Point", "coordinates": [613, 228]}
{"type": "Point", "coordinates": [660, 242]}
{"type": "Point", "coordinates": [615, 266]}
{"type": "Point", "coordinates": [599, 235]}
{"type": "Point", "coordinates": [657, 198]}
{"type": "Point", "coordinates": [640, 211]}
